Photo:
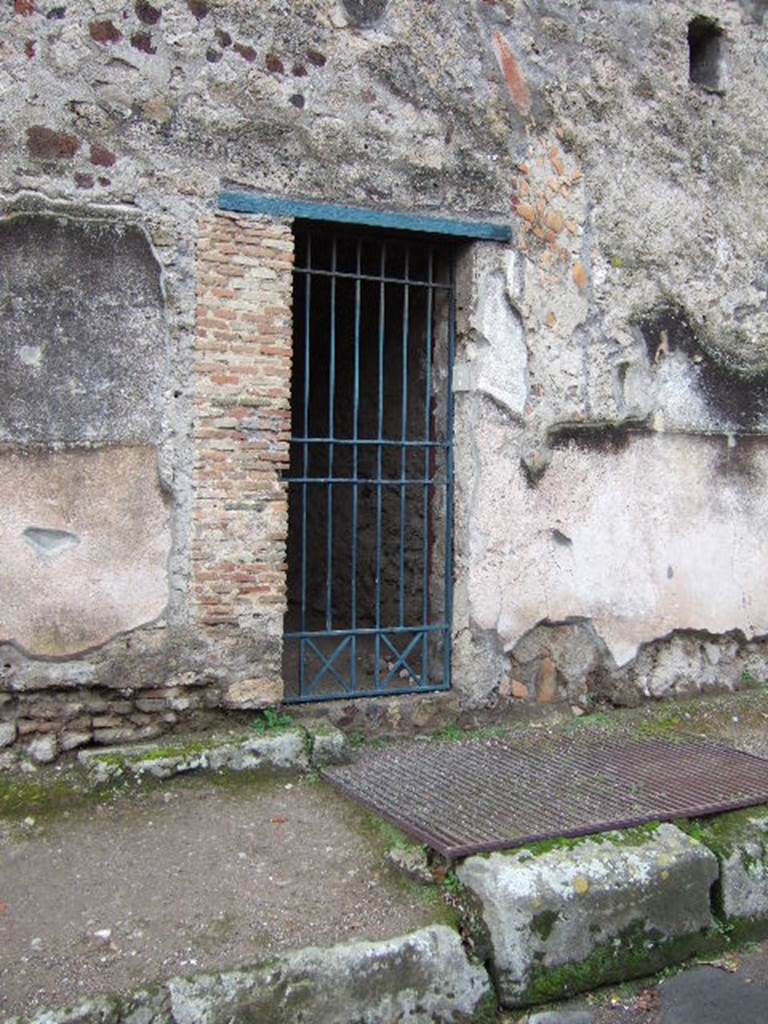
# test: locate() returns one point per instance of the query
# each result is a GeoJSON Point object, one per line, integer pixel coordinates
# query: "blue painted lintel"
{"type": "Point", "coordinates": [276, 206]}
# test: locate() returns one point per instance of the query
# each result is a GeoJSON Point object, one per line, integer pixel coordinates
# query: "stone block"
{"type": "Point", "coordinates": [740, 841]}
{"type": "Point", "coordinates": [592, 911]}
{"type": "Point", "coordinates": [285, 749]}
{"type": "Point", "coordinates": [7, 733]}
{"type": "Point", "coordinates": [423, 977]}
{"type": "Point", "coordinates": [253, 694]}
{"type": "Point", "coordinates": [282, 749]}
{"type": "Point", "coordinates": [329, 744]}
{"type": "Point", "coordinates": [561, 1017]}
{"type": "Point", "coordinates": [70, 739]}
{"type": "Point", "coordinates": [44, 748]}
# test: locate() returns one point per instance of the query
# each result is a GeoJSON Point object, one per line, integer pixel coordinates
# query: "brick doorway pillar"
{"type": "Point", "coordinates": [241, 428]}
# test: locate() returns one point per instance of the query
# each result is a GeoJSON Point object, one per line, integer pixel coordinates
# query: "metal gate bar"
{"type": "Point", "coordinates": [342, 335]}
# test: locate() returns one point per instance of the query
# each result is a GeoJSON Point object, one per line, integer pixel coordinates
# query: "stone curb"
{"type": "Point", "coordinates": [313, 744]}
{"type": "Point", "coordinates": [592, 911]}
{"type": "Point", "coordinates": [740, 842]}
{"type": "Point", "coordinates": [424, 978]}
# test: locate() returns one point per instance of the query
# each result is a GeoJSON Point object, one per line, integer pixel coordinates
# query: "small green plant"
{"type": "Point", "coordinates": [355, 740]}
{"type": "Point", "coordinates": [452, 884]}
{"type": "Point", "coordinates": [724, 929]}
{"type": "Point", "coordinates": [271, 720]}
{"type": "Point", "coordinates": [747, 679]}
{"type": "Point", "coordinates": [450, 732]}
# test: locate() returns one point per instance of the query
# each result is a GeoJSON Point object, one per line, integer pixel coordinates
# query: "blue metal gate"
{"type": "Point", "coordinates": [370, 478]}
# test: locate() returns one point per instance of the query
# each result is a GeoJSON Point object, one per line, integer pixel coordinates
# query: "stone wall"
{"type": "Point", "coordinates": [611, 367]}
{"type": "Point", "coordinates": [92, 561]}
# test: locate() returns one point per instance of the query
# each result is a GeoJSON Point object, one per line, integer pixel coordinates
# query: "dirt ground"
{"type": "Point", "coordinates": [190, 876]}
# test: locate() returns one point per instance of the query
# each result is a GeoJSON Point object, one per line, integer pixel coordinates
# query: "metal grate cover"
{"type": "Point", "coordinates": [476, 796]}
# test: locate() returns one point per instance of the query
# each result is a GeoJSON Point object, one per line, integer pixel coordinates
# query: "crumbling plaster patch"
{"type": "Point", "coordinates": [112, 577]}
{"type": "Point", "coordinates": [643, 540]}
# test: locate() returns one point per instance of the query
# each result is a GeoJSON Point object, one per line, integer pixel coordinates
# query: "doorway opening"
{"type": "Point", "coordinates": [371, 473]}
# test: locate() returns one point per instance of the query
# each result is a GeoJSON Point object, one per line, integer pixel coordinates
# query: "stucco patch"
{"type": "Point", "coordinates": [85, 538]}
{"type": "Point", "coordinates": [664, 533]}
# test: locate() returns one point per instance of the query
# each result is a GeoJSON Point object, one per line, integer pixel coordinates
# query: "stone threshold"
{"type": "Point", "coordinates": [566, 916]}
{"type": "Point", "coordinates": [312, 744]}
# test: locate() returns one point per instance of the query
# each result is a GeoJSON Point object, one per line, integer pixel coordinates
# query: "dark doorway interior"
{"type": "Point", "coordinates": [370, 472]}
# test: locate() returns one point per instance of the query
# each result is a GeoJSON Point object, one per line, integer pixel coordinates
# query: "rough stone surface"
{"type": "Point", "coordinates": [561, 1017]}
{"type": "Point", "coordinates": [413, 863]}
{"type": "Point", "coordinates": [743, 854]}
{"type": "Point", "coordinates": [423, 977]}
{"type": "Point", "coordinates": [7, 733]}
{"type": "Point", "coordinates": [618, 909]}
{"type": "Point", "coordinates": [283, 749]}
{"type": "Point", "coordinates": [83, 339]}
{"type": "Point", "coordinates": [635, 573]}
{"type": "Point", "coordinates": [43, 749]}
{"type": "Point", "coordinates": [329, 744]}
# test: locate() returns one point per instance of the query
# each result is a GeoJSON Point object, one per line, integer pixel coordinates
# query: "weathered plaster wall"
{"type": "Point", "coordinates": [611, 372]}
{"type": "Point", "coordinates": [83, 360]}
{"type": "Point", "coordinates": [634, 294]}
{"type": "Point", "coordinates": [93, 560]}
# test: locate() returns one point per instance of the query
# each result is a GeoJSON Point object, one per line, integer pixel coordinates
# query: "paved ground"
{"type": "Point", "coordinates": [188, 877]}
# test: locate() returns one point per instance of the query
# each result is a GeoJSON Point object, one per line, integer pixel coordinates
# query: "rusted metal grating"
{"type": "Point", "coordinates": [475, 796]}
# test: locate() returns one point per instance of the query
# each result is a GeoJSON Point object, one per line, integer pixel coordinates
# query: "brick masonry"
{"type": "Point", "coordinates": [241, 430]}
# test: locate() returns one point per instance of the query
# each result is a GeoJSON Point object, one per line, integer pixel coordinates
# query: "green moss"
{"type": "Point", "coordinates": [637, 836]}
{"type": "Point", "coordinates": [271, 720]}
{"type": "Point", "coordinates": [456, 733]}
{"type": "Point", "coordinates": [355, 740]}
{"type": "Point", "coordinates": [20, 797]}
{"type": "Point", "coordinates": [387, 836]}
{"type": "Point", "coordinates": [118, 760]}
{"type": "Point", "coordinates": [635, 952]}
{"type": "Point", "coordinates": [666, 727]}
{"type": "Point", "coordinates": [724, 833]}
{"type": "Point", "coordinates": [181, 750]}
{"type": "Point", "coordinates": [449, 732]}
{"type": "Point", "coordinates": [487, 1010]}
{"type": "Point", "coordinates": [544, 922]}
{"type": "Point", "coordinates": [49, 795]}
